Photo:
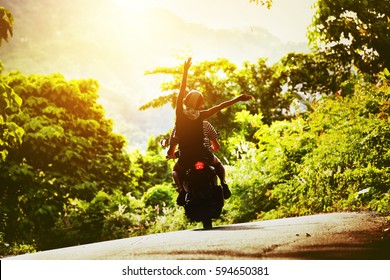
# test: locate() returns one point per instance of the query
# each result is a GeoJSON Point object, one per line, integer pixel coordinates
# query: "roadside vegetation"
{"type": "Point", "coordinates": [315, 139]}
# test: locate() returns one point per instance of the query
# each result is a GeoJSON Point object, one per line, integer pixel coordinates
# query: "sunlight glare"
{"type": "Point", "coordinates": [132, 5]}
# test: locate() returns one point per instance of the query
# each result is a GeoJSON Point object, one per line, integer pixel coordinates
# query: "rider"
{"type": "Point", "coordinates": [211, 144]}
{"type": "Point", "coordinates": [190, 133]}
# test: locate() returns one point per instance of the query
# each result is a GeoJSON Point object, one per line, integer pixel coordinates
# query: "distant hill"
{"type": "Point", "coordinates": [95, 39]}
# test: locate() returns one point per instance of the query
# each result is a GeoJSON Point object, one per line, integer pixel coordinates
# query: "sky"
{"type": "Point", "coordinates": [287, 19]}
{"type": "Point", "coordinates": [117, 41]}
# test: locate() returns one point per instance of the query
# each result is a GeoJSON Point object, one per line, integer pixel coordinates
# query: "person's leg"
{"type": "Point", "coordinates": [221, 173]}
{"type": "Point", "coordinates": [176, 178]}
{"type": "Point", "coordinates": [179, 186]}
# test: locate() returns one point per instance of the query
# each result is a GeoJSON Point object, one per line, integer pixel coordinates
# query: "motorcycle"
{"type": "Point", "coordinates": [204, 198]}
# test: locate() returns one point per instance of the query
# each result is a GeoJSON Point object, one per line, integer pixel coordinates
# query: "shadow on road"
{"type": "Point", "coordinates": [338, 251]}
{"type": "Point", "coordinates": [231, 228]}
{"type": "Point", "coordinates": [238, 227]}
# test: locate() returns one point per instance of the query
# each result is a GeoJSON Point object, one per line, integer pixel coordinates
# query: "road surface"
{"type": "Point", "coordinates": [334, 236]}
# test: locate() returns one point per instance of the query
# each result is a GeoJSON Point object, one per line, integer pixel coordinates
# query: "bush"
{"type": "Point", "coordinates": [317, 163]}
{"type": "Point", "coordinates": [14, 249]}
{"type": "Point", "coordinates": [160, 196]}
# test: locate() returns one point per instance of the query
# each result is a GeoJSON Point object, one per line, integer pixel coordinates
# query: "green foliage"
{"type": "Point", "coordinates": [10, 133]}
{"type": "Point", "coordinates": [169, 219]}
{"type": "Point", "coordinates": [68, 150]}
{"type": "Point", "coordinates": [353, 33]}
{"type": "Point", "coordinates": [316, 139]}
{"type": "Point", "coordinates": [152, 167]}
{"type": "Point", "coordinates": [335, 159]}
{"type": "Point", "coordinates": [105, 217]}
{"type": "Point", "coordinates": [66, 179]}
{"type": "Point", "coordinates": [7, 249]}
{"type": "Point", "coordinates": [265, 164]}
{"type": "Point", "coordinates": [265, 85]}
{"type": "Point", "coordinates": [306, 77]}
{"type": "Point", "coordinates": [160, 196]}
{"type": "Point", "coordinates": [116, 216]}
{"type": "Point", "coordinates": [6, 24]}
{"type": "Point", "coordinates": [267, 3]}
{"type": "Point", "coordinates": [221, 80]}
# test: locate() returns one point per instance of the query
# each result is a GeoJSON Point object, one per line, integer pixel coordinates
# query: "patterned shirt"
{"type": "Point", "coordinates": [209, 134]}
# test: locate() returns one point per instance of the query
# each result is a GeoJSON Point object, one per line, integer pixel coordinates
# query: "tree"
{"type": "Point", "coordinates": [334, 159]}
{"type": "Point", "coordinates": [267, 3]}
{"type": "Point", "coordinates": [264, 83]}
{"type": "Point", "coordinates": [154, 169]}
{"type": "Point", "coordinates": [221, 80]}
{"type": "Point", "coordinates": [214, 79]}
{"type": "Point", "coordinates": [68, 151]}
{"type": "Point", "coordinates": [305, 79]}
{"type": "Point", "coordinates": [353, 33]}
{"type": "Point", "coordinates": [10, 133]}
{"type": "Point", "coordinates": [6, 24]}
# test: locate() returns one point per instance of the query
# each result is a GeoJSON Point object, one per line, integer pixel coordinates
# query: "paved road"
{"type": "Point", "coordinates": [326, 236]}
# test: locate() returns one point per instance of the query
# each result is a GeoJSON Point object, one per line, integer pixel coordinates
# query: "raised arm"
{"type": "Point", "coordinates": [182, 92]}
{"type": "Point", "coordinates": [213, 110]}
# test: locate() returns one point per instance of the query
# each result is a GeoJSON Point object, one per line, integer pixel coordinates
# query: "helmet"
{"type": "Point", "coordinates": [193, 100]}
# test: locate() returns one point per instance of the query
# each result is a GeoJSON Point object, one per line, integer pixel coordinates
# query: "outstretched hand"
{"type": "Point", "coordinates": [187, 64]}
{"type": "Point", "coordinates": [245, 97]}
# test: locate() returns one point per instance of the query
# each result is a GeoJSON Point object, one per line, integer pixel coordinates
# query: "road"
{"type": "Point", "coordinates": [333, 236]}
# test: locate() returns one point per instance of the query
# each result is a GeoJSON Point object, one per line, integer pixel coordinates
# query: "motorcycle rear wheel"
{"type": "Point", "coordinates": [207, 224]}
